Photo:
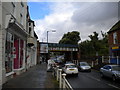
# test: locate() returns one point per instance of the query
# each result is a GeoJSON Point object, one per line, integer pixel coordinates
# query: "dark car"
{"type": "Point", "coordinates": [84, 66]}
{"type": "Point", "coordinates": [112, 71]}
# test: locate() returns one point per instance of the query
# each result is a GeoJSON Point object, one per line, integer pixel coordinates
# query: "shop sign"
{"type": "Point", "coordinates": [115, 47]}
{"type": "Point", "coordinates": [44, 48]}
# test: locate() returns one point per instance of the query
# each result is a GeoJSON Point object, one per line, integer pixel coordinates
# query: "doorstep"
{"type": "Point", "coordinates": [19, 71]}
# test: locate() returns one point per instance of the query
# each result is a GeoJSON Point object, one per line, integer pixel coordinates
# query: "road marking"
{"type": "Point", "coordinates": [113, 86]}
{"type": "Point", "coordinates": [95, 70]}
{"type": "Point", "coordinates": [94, 78]}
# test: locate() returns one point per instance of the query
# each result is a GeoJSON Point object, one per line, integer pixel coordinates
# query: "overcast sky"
{"type": "Point", "coordinates": [85, 17]}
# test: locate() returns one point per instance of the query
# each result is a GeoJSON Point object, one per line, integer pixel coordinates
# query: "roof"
{"type": "Point", "coordinates": [32, 22]}
{"type": "Point", "coordinates": [115, 27]}
{"type": "Point", "coordinates": [35, 35]}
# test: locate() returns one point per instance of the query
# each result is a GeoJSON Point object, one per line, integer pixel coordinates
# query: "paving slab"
{"type": "Point", "coordinates": [35, 77]}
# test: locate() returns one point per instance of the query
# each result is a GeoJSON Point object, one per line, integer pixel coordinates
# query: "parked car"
{"type": "Point", "coordinates": [112, 71]}
{"type": "Point", "coordinates": [84, 66]}
{"type": "Point", "coordinates": [70, 68]}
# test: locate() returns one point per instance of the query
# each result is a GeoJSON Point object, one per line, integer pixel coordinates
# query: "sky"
{"type": "Point", "coordinates": [63, 17]}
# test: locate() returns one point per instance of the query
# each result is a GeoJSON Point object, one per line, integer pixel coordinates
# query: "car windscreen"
{"type": "Point", "coordinates": [84, 64]}
{"type": "Point", "coordinates": [71, 66]}
{"type": "Point", "coordinates": [116, 68]}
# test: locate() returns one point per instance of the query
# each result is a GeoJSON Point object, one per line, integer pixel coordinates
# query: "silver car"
{"type": "Point", "coordinates": [84, 66]}
{"type": "Point", "coordinates": [112, 71]}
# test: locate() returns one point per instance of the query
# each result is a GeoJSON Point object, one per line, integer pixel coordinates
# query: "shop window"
{"type": "Point", "coordinates": [9, 53]}
{"type": "Point", "coordinates": [29, 24]}
{"type": "Point", "coordinates": [115, 40]}
{"type": "Point", "coordinates": [30, 30]}
{"type": "Point", "coordinates": [22, 4]}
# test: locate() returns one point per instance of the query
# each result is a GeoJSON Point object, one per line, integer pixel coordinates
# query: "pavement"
{"type": "Point", "coordinates": [35, 77]}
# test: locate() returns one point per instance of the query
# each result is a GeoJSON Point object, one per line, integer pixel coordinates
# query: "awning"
{"type": "Point", "coordinates": [16, 28]}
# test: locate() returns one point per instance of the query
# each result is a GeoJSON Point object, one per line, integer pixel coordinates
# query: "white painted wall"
{"type": "Point", "coordinates": [0, 45]}
{"type": "Point", "coordinates": [5, 9]}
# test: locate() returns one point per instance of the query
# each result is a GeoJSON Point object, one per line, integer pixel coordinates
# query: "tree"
{"type": "Point", "coordinates": [95, 45]}
{"type": "Point", "coordinates": [95, 41]}
{"type": "Point", "coordinates": [70, 38]}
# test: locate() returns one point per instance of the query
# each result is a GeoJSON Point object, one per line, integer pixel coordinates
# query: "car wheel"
{"type": "Point", "coordinates": [113, 78]}
{"type": "Point", "coordinates": [101, 75]}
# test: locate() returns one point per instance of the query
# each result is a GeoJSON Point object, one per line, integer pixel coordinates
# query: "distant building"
{"type": "Point", "coordinates": [38, 53]}
{"type": "Point", "coordinates": [114, 43]}
{"type": "Point", "coordinates": [31, 59]}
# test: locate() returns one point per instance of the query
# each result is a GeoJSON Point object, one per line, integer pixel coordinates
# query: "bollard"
{"type": "Point", "coordinates": [63, 80]}
{"type": "Point", "coordinates": [92, 63]}
{"type": "Point", "coordinates": [97, 61]}
{"type": "Point", "coordinates": [72, 61]}
{"type": "Point", "coordinates": [117, 59]}
{"type": "Point", "coordinates": [60, 80]}
{"type": "Point", "coordinates": [102, 59]}
{"type": "Point", "coordinates": [109, 59]}
{"type": "Point", "coordinates": [77, 62]}
{"type": "Point", "coordinates": [57, 72]}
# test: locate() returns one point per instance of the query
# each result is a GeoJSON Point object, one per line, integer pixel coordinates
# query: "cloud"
{"type": "Point", "coordinates": [85, 17]}
{"type": "Point", "coordinates": [96, 13]}
{"type": "Point", "coordinates": [69, 0]}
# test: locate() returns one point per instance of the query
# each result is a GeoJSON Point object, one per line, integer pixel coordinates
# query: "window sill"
{"type": "Point", "coordinates": [18, 69]}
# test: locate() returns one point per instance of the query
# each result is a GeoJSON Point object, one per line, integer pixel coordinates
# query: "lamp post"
{"type": "Point", "coordinates": [53, 30]}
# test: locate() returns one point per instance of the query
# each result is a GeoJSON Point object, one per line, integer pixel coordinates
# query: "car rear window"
{"type": "Point", "coordinates": [71, 66]}
{"type": "Point", "coordinates": [83, 64]}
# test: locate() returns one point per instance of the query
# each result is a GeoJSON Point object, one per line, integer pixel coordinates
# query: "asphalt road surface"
{"type": "Point", "coordinates": [92, 80]}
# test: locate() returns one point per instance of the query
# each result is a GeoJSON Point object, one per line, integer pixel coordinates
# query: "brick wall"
{"type": "Point", "coordinates": [111, 44]}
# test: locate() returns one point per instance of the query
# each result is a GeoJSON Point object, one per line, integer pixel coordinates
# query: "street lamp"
{"type": "Point", "coordinates": [53, 30]}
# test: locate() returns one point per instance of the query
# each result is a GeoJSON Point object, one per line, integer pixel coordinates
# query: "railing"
{"type": "Point", "coordinates": [63, 83]}
{"type": "Point", "coordinates": [75, 62]}
{"type": "Point", "coordinates": [106, 60]}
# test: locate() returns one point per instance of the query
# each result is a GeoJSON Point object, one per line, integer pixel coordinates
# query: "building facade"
{"type": "Point", "coordinates": [31, 44]}
{"type": "Point", "coordinates": [114, 43]}
{"type": "Point", "coordinates": [15, 38]}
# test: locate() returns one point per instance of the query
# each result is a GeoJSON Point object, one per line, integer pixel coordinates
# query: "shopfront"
{"type": "Point", "coordinates": [9, 52]}
{"type": "Point", "coordinates": [15, 49]}
{"type": "Point", "coordinates": [14, 52]}
{"type": "Point", "coordinates": [115, 55]}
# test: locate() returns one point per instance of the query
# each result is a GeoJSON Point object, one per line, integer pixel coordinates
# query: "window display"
{"type": "Point", "coordinates": [14, 52]}
{"type": "Point", "coordinates": [9, 53]}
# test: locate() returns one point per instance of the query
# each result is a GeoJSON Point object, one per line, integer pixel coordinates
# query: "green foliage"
{"type": "Point", "coordinates": [94, 45]}
{"type": "Point", "coordinates": [70, 38]}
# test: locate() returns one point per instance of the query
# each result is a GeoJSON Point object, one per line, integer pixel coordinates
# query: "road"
{"type": "Point", "coordinates": [92, 80]}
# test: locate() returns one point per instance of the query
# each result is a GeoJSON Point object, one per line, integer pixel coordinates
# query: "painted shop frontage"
{"type": "Point", "coordinates": [15, 48]}
{"type": "Point", "coordinates": [114, 43]}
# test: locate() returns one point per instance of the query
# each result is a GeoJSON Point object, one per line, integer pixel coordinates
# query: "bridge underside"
{"type": "Point", "coordinates": [70, 52]}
